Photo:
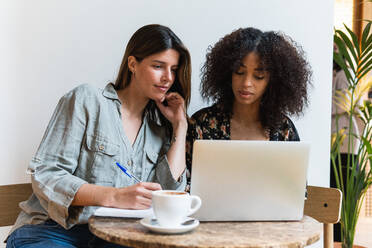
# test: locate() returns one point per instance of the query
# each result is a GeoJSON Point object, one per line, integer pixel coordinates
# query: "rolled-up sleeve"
{"type": "Point", "coordinates": [163, 175]}
{"type": "Point", "coordinates": [57, 158]}
{"type": "Point", "coordinates": [190, 138]}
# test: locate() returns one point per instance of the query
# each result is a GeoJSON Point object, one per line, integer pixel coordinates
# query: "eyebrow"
{"type": "Point", "coordinates": [162, 62]}
{"type": "Point", "coordinates": [158, 61]}
{"type": "Point", "coordinates": [256, 69]}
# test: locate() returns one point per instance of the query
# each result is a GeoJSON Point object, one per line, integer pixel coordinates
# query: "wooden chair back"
{"type": "Point", "coordinates": [324, 205]}
{"type": "Point", "coordinates": [10, 197]}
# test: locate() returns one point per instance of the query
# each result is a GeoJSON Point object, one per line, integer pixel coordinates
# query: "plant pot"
{"type": "Point", "coordinates": [338, 245]}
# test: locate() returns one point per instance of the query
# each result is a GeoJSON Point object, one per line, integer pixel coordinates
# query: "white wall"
{"type": "Point", "coordinates": [51, 46]}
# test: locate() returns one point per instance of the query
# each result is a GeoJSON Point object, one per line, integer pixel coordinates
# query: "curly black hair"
{"type": "Point", "coordinates": [283, 58]}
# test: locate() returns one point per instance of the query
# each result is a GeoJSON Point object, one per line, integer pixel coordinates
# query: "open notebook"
{"type": "Point", "coordinates": [124, 213]}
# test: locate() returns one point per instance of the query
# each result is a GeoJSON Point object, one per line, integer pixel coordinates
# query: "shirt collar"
{"type": "Point", "coordinates": [110, 92]}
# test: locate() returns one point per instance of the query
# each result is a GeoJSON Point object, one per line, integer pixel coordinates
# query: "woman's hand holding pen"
{"type": "Point", "coordinates": [137, 196]}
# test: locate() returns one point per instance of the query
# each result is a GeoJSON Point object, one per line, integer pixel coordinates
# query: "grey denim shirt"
{"type": "Point", "coordinates": [84, 139]}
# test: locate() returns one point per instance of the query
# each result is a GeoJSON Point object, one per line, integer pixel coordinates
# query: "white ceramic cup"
{"type": "Point", "coordinates": [171, 207]}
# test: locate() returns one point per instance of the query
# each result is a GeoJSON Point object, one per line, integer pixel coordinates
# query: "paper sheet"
{"type": "Point", "coordinates": [125, 213]}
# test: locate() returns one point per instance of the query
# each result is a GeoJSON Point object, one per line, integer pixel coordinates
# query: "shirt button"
{"type": "Point", "coordinates": [101, 147]}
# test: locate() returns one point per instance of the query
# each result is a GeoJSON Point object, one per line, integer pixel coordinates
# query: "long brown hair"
{"type": "Point", "coordinates": [151, 39]}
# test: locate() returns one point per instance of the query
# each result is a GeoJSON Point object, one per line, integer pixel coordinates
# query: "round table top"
{"type": "Point", "coordinates": [130, 232]}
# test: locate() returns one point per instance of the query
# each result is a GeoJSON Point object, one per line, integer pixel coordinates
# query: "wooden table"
{"type": "Point", "coordinates": [130, 232]}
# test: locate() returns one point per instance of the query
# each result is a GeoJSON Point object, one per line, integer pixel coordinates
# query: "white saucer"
{"type": "Point", "coordinates": [153, 225]}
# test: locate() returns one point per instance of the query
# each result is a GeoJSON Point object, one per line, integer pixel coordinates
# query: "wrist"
{"type": "Point", "coordinates": [110, 197]}
{"type": "Point", "coordinates": [179, 127]}
{"type": "Point", "coordinates": [179, 135]}
{"type": "Point", "coordinates": [179, 132]}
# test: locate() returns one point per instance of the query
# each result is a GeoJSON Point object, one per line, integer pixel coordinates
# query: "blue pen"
{"type": "Point", "coordinates": [125, 170]}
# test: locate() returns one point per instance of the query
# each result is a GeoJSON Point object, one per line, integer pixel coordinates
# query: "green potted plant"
{"type": "Point", "coordinates": [353, 178]}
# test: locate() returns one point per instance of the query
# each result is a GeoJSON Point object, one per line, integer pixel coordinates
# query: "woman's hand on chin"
{"type": "Point", "coordinates": [175, 111]}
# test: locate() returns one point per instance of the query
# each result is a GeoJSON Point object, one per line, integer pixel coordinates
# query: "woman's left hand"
{"type": "Point", "coordinates": [175, 111]}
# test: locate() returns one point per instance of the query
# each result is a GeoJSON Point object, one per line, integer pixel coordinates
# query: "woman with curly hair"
{"type": "Point", "coordinates": [255, 79]}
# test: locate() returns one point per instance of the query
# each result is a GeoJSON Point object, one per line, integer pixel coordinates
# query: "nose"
{"type": "Point", "coordinates": [248, 81]}
{"type": "Point", "coordinates": [167, 76]}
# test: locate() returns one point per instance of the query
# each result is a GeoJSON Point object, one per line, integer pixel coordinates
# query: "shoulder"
{"type": "Point", "coordinates": [210, 123]}
{"type": "Point", "coordinates": [286, 131]}
{"type": "Point", "coordinates": [84, 94]}
{"type": "Point", "coordinates": [205, 114]}
{"type": "Point", "coordinates": [83, 91]}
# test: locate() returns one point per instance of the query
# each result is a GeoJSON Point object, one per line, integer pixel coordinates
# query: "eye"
{"type": "Point", "coordinates": [259, 77]}
{"type": "Point", "coordinates": [157, 66]}
{"type": "Point", "coordinates": [239, 73]}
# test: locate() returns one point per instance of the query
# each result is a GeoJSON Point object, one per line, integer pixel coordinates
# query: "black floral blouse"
{"type": "Point", "coordinates": [214, 123]}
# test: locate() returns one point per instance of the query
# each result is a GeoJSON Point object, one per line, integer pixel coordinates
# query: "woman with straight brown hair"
{"type": "Point", "coordinates": [138, 123]}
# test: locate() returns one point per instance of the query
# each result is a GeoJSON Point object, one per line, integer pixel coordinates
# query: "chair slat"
{"type": "Point", "coordinates": [10, 197]}
{"type": "Point", "coordinates": [323, 204]}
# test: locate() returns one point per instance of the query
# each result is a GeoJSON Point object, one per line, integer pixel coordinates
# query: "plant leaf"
{"type": "Point", "coordinates": [342, 48]}
{"type": "Point", "coordinates": [342, 100]}
{"type": "Point", "coordinates": [365, 35]}
{"type": "Point", "coordinates": [346, 46]}
{"type": "Point", "coordinates": [365, 58]}
{"type": "Point", "coordinates": [349, 44]}
{"type": "Point", "coordinates": [367, 49]}
{"type": "Point", "coordinates": [366, 111]}
{"type": "Point", "coordinates": [369, 41]}
{"type": "Point", "coordinates": [344, 67]}
{"type": "Point", "coordinates": [364, 73]}
{"type": "Point", "coordinates": [361, 89]}
{"type": "Point", "coordinates": [365, 68]}
{"type": "Point", "coordinates": [354, 38]}
{"type": "Point", "coordinates": [368, 146]}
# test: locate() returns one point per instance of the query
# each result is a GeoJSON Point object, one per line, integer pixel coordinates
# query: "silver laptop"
{"type": "Point", "coordinates": [249, 180]}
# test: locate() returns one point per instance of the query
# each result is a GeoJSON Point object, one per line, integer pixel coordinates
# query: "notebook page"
{"type": "Point", "coordinates": [125, 213]}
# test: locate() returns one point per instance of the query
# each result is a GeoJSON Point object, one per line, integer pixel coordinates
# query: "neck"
{"type": "Point", "coordinates": [247, 114]}
{"type": "Point", "coordinates": [131, 102]}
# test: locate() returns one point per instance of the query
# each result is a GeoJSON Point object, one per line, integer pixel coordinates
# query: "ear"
{"type": "Point", "coordinates": [132, 62]}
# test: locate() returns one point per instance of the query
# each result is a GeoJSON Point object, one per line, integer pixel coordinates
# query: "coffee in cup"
{"type": "Point", "coordinates": [171, 207]}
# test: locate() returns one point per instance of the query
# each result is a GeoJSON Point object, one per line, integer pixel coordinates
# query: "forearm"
{"type": "Point", "coordinates": [176, 153]}
{"type": "Point", "coordinates": [94, 195]}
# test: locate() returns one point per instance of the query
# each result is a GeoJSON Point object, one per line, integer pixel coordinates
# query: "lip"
{"type": "Point", "coordinates": [244, 93]}
{"type": "Point", "coordinates": [162, 88]}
